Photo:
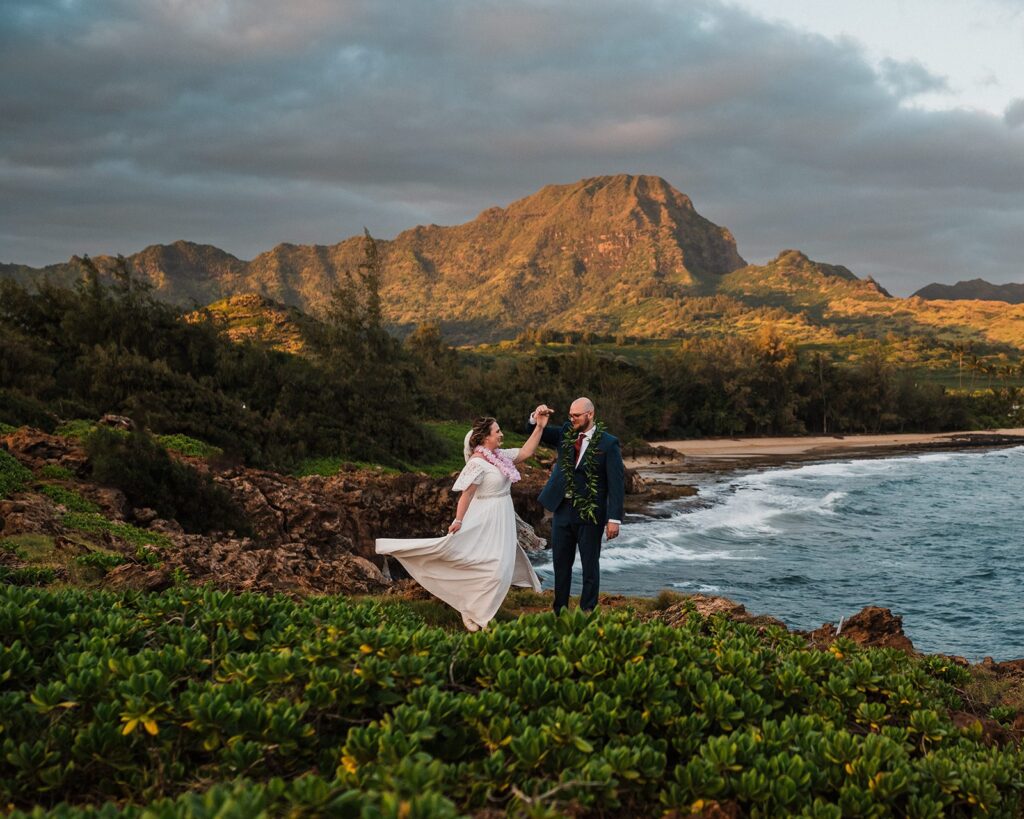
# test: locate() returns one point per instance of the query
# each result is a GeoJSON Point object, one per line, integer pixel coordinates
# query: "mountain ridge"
{"type": "Point", "coordinates": [625, 254]}
{"type": "Point", "coordinates": [972, 290]}
{"type": "Point", "coordinates": [619, 239]}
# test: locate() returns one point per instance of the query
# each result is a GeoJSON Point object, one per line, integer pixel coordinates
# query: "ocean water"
{"type": "Point", "coordinates": [936, 538]}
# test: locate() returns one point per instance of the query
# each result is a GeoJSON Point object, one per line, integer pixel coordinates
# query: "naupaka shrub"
{"type": "Point", "coordinates": [202, 703]}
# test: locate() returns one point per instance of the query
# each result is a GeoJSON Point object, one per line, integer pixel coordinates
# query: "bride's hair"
{"type": "Point", "coordinates": [481, 429]}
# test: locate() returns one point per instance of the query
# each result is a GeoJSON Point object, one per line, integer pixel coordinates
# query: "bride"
{"type": "Point", "coordinates": [472, 567]}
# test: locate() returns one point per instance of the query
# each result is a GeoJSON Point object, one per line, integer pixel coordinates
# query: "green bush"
{"type": "Point", "coordinates": [189, 446]}
{"type": "Point", "coordinates": [139, 697]}
{"type": "Point", "coordinates": [79, 429]}
{"type": "Point", "coordinates": [13, 476]}
{"type": "Point", "coordinates": [7, 429]}
{"type": "Point", "coordinates": [141, 468]}
{"type": "Point", "coordinates": [17, 408]}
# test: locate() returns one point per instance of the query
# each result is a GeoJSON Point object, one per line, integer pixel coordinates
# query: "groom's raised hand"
{"type": "Point", "coordinates": [541, 415]}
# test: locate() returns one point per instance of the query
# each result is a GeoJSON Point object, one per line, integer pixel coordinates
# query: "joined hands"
{"type": "Point", "coordinates": [542, 415]}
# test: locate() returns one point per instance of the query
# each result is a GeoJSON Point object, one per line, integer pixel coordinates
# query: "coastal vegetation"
{"type": "Point", "coordinates": [198, 703]}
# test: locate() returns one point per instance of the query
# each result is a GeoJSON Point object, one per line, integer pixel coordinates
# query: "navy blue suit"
{"type": "Point", "coordinates": [568, 529]}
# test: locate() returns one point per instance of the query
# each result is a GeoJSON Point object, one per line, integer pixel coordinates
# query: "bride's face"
{"type": "Point", "coordinates": [493, 441]}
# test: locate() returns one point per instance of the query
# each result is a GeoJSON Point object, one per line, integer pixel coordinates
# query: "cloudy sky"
{"type": "Point", "coordinates": [886, 135]}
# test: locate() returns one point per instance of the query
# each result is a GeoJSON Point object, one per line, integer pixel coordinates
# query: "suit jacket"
{"type": "Point", "coordinates": [611, 476]}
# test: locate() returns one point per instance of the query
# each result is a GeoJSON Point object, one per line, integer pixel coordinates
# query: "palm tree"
{"type": "Point", "coordinates": [960, 349]}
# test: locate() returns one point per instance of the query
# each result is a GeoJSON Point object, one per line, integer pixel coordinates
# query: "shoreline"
{"type": "Point", "coordinates": [701, 463]}
{"type": "Point", "coordinates": [704, 455]}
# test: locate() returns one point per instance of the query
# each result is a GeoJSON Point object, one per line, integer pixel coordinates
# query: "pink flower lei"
{"type": "Point", "coordinates": [500, 460]}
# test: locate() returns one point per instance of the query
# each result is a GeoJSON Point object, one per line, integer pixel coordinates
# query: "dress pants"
{"type": "Point", "coordinates": [567, 533]}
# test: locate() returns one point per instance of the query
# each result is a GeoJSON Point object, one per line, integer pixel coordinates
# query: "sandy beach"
{"type": "Point", "coordinates": [720, 452]}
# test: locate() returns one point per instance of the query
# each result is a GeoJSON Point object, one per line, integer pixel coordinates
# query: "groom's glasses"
{"type": "Point", "coordinates": [578, 414]}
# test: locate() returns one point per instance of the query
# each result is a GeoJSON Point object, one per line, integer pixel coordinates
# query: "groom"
{"type": "Point", "coordinates": [585, 493]}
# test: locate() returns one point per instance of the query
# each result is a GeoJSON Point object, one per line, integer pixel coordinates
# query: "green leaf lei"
{"type": "Point", "coordinates": [586, 503]}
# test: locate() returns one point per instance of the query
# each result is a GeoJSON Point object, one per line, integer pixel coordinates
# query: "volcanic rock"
{"type": "Point", "coordinates": [243, 565]}
{"type": "Point", "coordinates": [710, 606]}
{"type": "Point", "coordinates": [36, 449]}
{"type": "Point", "coordinates": [28, 514]}
{"type": "Point", "coordinates": [871, 626]}
{"type": "Point", "coordinates": [122, 422]}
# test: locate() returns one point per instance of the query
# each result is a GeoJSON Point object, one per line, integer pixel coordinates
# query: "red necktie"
{"type": "Point", "coordinates": [579, 445]}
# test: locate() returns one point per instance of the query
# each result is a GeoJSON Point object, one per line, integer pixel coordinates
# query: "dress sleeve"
{"type": "Point", "coordinates": [472, 473]}
{"type": "Point", "coordinates": [511, 454]}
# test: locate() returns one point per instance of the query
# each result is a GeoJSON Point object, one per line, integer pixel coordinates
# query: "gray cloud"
{"type": "Point", "coordinates": [129, 122]}
{"type": "Point", "coordinates": [908, 79]}
{"type": "Point", "coordinates": [1014, 114]}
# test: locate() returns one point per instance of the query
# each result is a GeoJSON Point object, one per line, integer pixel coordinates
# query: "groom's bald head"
{"type": "Point", "coordinates": [581, 414]}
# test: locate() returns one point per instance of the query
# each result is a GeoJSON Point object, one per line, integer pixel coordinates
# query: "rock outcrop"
{"type": "Point", "coordinates": [704, 605]}
{"type": "Point", "coordinates": [871, 626]}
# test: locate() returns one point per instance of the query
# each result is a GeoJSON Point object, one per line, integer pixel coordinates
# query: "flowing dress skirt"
{"type": "Point", "coordinates": [472, 569]}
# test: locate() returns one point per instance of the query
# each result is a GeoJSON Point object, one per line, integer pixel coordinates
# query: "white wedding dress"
{"type": "Point", "coordinates": [472, 569]}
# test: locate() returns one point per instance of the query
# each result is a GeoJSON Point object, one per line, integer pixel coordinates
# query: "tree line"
{"type": "Point", "coordinates": [721, 386]}
{"type": "Point", "coordinates": [108, 346]}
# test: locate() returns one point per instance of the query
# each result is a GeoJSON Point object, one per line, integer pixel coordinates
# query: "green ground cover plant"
{"type": "Point", "coordinates": [91, 522]}
{"type": "Point", "coordinates": [332, 707]}
{"type": "Point", "coordinates": [101, 560]}
{"type": "Point", "coordinates": [77, 428]}
{"type": "Point", "coordinates": [27, 576]}
{"type": "Point", "coordinates": [56, 472]}
{"type": "Point", "coordinates": [13, 476]}
{"type": "Point", "coordinates": [68, 498]}
{"type": "Point", "coordinates": [8, 545]}
{"type": "Point", "coordinates": [31, 547]}
{"type": "Point", "coordinates": [332, 465]}
{"type": "Point", "coordinates": [46, 560]}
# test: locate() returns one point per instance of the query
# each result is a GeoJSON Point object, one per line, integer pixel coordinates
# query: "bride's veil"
{"type": "Point", "coordinates": [467, 453]}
